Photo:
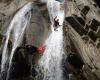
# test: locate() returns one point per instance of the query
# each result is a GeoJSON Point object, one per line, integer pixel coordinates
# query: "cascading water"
{"type": "Point", "coordinates": [51, 60]}
{"type": "Point", "coordinates": [16, 28]}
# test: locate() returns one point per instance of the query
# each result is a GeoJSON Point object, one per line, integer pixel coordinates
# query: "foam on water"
{"type": "Point", "coordinates": [51, 60]}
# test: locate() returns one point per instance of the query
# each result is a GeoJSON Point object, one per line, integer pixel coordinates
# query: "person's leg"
{"type": "Point", "coordinates": [55, 28]}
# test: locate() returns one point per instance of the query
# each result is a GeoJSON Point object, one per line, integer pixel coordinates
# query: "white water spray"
{"type": "Point", "coordinates": [51, 60]}
{"type": "Point", "coordinates": [16, 28]}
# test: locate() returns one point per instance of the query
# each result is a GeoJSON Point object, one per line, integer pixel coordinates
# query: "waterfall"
{"type": "Point", "coordinates": [16, 28]}
{"type": "Point", "coordinates": [50, 63]}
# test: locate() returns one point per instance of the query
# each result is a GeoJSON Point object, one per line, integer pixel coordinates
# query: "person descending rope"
{"type": "Point", "coordinates": [56, 23]}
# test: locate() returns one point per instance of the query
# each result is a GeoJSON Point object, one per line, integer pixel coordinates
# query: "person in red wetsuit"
{"type": "Point", "coordinates": [56, 23]}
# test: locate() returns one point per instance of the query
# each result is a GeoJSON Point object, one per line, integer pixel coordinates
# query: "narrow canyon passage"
{"type": "Point", "coordinates": [49, 40]}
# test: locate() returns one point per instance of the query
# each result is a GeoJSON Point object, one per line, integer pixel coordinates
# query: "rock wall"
{"type": "Point", "coordinates": [38, 30]}
{"type": "Point", "coordinates": [82, 23]}
{"type": "Point", "coordinates": [35, 34]}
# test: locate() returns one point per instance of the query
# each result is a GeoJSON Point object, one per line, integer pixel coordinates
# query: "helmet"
{"type": "Point", "coordinates": [41, 49]}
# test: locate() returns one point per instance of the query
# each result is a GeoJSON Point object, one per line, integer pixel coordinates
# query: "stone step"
{"type": "Point", "coordinates": [92, 35]}
{"type": "Point", "coordinates": [94, 24]}
{"type": "Point", "coordinates": [79, 27]}
{"type": "Point", "coordinates": [85, 10]}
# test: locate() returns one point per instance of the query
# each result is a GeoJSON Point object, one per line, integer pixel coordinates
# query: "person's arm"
{"type": "Point", "coordinates": [60, 25]}
{"type": "Point", "coordinates": [55, 18]}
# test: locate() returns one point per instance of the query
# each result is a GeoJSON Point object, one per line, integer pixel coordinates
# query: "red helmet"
{"type": "Point", "coordinates": [41, 49]}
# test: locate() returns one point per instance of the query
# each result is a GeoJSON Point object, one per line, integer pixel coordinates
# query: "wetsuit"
{"type": "Point", "coordinates": [56, 24]}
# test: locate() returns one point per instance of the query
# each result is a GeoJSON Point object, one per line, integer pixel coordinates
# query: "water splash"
{"type": "Point", "coordinates": [51, 60]}
{"type": "Point", "coordinates": [16, 28]}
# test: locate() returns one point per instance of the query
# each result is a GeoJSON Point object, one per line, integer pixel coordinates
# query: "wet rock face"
{"type": "Point", "coordinates": [79, 24]}
{"type": "Point", "coordinates": [35, 34]}
{"type": "Point", "coordinates": [75, 61]}
{"type": "Point", "coordinates": [84, 11]}
{"type": "Point", "coordinates": [97, 2]}
{"type": "Point", "coordinates": [74, 22]}
{"type": "Point", "coordinates": [21, 63]}
{"type": "Point", "coordinates": [94, 24]}
{"type": "Point", "coordinates": [38, 29]}
{"type": "Point", "coordinates": [83, 30]}
{"type": "Point", "coordinates": [7, 10]}
{"type": "Point", "coordinates": [84, 26]}
{"type": "Point", "coordinates": [1, 37]}
{"type": "Point", "coordinates": [5, 1]}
